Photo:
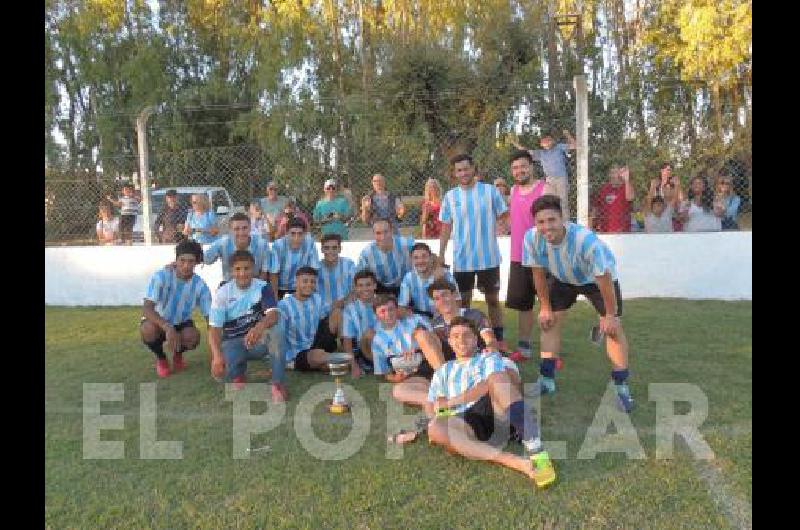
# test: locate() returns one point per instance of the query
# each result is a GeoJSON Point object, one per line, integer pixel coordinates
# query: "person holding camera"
{"type": "Point", "coordinates": [290, 211]}
{"type": "Point", "coordinates": [333, 212]}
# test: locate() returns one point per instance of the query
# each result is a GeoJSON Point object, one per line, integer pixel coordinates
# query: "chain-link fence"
{"type": "Point", "coordinates": [300, 154]}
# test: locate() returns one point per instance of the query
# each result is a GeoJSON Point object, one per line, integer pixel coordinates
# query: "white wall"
{"type": "Point", "coordinates": [707, 265]}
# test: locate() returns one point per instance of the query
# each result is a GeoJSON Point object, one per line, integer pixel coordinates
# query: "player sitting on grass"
{"type": "Point", "coordinates": [171, 296]}
{"type": "Point", "coordinates": [578, 262]}
{"type": "Point", "coordinates": [471, 395]}
{"type": "Point", "coordinates": [243, 310]}
{"type": "Point", "coordinates": [359, 322]}
{"type": "Point", "coordinates": [413, 289]}
{"type": "Point", "coordinates": [404, 337]}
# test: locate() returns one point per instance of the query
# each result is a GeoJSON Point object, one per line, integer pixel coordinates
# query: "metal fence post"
{"type": "Point", "coordinates": [144, 174]}
{"type": "Point", "coordinates": [582, 147]}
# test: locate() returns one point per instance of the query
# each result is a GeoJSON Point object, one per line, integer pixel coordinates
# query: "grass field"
{"type": "Point", "coordinates": [705, 343]}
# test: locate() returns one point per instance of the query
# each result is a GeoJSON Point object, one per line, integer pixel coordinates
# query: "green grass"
{"type": "Point", "coordinates": [706, 343]}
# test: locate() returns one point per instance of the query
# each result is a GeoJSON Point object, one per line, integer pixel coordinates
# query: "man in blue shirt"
{"type": "Point", "coordinates": [414, 288]}
{"type": "Point", "coordinates": [240, 238]}
{"type": "Point", "coordinates": [471, 211]}
{"type": "Point", "coordinates": [291, 252]}
{"type": "Point", "coordinates": [243, 310]}
{"type": "Point", "coordinates": [388, 256]}
{"type": "Point", "coordinates": [568, 260]}
{"type": "Point", "coordinates": [335, 272]}
{"type": "Point", "coordinates": [359, 322]}
{"type": "Point", "coordinates": [172, 295]}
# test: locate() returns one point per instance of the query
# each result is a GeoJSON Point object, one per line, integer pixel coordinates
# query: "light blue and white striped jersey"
{"type": "Point", "coordinates": [300, 322]}
{"type": "Point", "coordinates": [455, 377]}
{"type": "Point", "coordinates": [285, 261]}
{"type": "Point", "coordinates": [358, 317]}
{"type": "Point", "coordinates": [579, 258]}
{"type": "Point", "coordinates": [175, 298]}
{"type": "Point", "coordinates": [473, 213]}
{"type": "Point", "coordinates": [336, 283]}
{"type": "Point", "coordinates": [389, 267]}
{"type": "Point", "coordinates": [204, 221]}
{"type": "Point", "coordinates": [224, 248]}
{"type": "Point", "coordinates": [415, 289]}
{"type": "Point", "coordinates": [237, 310]}
{"type": "Point", "coordinates": [393, 342]}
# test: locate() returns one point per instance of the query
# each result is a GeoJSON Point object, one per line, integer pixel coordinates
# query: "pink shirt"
{"type": "Point", "coordinates": [521, 218]}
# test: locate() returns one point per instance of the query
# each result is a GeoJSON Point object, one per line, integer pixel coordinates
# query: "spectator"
{"type": "Point", "coordinates": [272, 205]}
{"type": "Point", "coordinates": [107, 226]}
{"type": "Point", "coordinates": [258, 223]}
{"type": "Point", "coordinates": [431, 205]}
{"type": "Point", "coordinates": [290, 211]}
{"type": "Point", "coordinates": [171, 218]}
{"type": "Point", "coordinates": [380, 204]}
{"type": "Point", "coordinates": [503, 227]}
{"type": "Point", "coordinates": [727, 201]}
{"type": "Point", "coordinates": [333, 211]}
{"type": "Point", "coordinates": [128, 204]}
{"type": "Point", "coordinates": [657, 215]}
{"type": "Point", "coordinates": [201, 223]}
{"type": "Point", "coordinates": [698, 214]}
{"type": "Point", "coordinates": [553, 157]}
{"type": "Point", "coordinates": [669, 187]}
{"type": "Point", "coordinates": [611, 207]}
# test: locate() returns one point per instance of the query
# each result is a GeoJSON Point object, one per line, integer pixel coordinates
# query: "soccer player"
{"type": "Point", "coordinates": [309, 324]}
{"type": "Point", "coordinates": [413, 289]}
{"type": "Point", "coordinates": [240, 238]}
{"type": "Point", "coordinates": [477, 394]}
{"type": "Point", "coordinates": [291, 252]}
{"type": "Point", "coordinates": [359, 322]}
{"type": "Point", "coordinates": [335, 272]}
{"type": "Point", "coordinates": [404, 337]}
{"type": "Point", "coordinates": [243, 310]}
{"type": "Point", "coordinates": [388, 256]}
{"type": "Point", "coordinates": [529, 185]}
{"type": "Point", "coordinates": [448, 308]}
{"type": "Point", "coordinates": [470, 212]}
{"type": "Point", "coordinates": [578, 262]}
{"type": "Point", "coordinates": [167, 310]}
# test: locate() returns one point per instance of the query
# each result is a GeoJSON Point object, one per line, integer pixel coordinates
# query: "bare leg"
{"type": "Point", "coordinates": [551, 338]}
{"type": "Point", "coordinates": [413, 391]}
{"type": "Point", "coordinates": [190, 338]}
{"type": "Point", "coordinates": [495, 311]}
{"type": "Point", "coordinates": [318, 360]}
{"type": "Point", "coordinates": [617, 348]}
{"type": "Point", "coordinates": [525, 325]}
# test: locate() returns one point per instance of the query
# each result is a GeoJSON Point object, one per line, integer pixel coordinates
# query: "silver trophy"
{"type": "Point", "coordinates": [339, 364]}
{"type": "Point", "coordinates": [406, 365]}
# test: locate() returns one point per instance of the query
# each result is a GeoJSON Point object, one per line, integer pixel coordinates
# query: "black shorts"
{"type": "Point", "coordinates": [126, 223]}
{"type": "Point", "coordinates": [284, 292]}
{"type": "Point", "coordinates": [563, 295]}
{"type": "Point", "coordinates": [480, 418]}
{"type": "Point", "coordinates": [427, 314]}
{"type": "Point", "coordinates": [383, 289]}
{"type": "Point", "coordinates": [521, 292]}
{"type": "Point", "coordinates": [323, 340]}
{"type": "Point", "coordinates": [424, 370]}
{"type": "Point", "coordinates": [301, 362]}
{"type": "Point", "coordinates": [178, 327]}
{"type": "Point", "coordinates": [488, 280]}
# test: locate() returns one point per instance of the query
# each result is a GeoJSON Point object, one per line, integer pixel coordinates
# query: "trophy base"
{"type": "Point", "coordinates": [338, 408]}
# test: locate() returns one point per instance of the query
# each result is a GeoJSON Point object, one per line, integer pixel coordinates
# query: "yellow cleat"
{"type": "Point", "coordinates": [544, 474]}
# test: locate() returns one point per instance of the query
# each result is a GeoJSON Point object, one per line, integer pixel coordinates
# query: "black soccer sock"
{"type": "Point", "coordinates": [619, 376]}
{"type": "Point", "coordinates": [526, 424]}
{"type": "Point", "coordinates": [157, 347]}
{"type": "Point", "coordinates": [498, 332]}
{"type": "Point", "coordinates": [548, 368]}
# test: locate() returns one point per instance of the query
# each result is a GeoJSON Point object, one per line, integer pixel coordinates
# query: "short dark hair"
{"type": "Point", "coordinates": [463, 321]}
{"type": "Point", "coordinates": [441, 284]}
{"type": "Point", "coordinates": [239, 216]}
{"type": "Point", "coordinates": [187, 246]}
{"type": "Point", "coordinates": [127, 185]}
{"type": "Point", "coordinates": [241, 255]}
{"type": "Point", "coordinates": [546, 202]}
{"type": "Point", "coordinates": [420, 245]}
{"type": "Point", "coordinates": [381, 220]}
{"type": "Point", "coordinates": [516, 155]}
{"type": "Point", "coordinates": [331, 237]}
{"type": "Point", "coordinates": [666, 164]}
{"type": "Point", "coordinates": [296, 222]}
{"type": "Point", "coordinates": [383, 299]}
{"type": "Point", "coordinates": [460, 158]}
{"type": "Point", "coordinates": [305, 269]}
{"type": "Point", "coordinates": [365, 273]}
{"type": "Point", "coordinates": [657, 198]}
{"type": "Point", "coordinates": [171, 193]}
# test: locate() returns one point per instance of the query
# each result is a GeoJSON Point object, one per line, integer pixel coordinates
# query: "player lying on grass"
{"type": "Point", "coordinates": [578, 262]}
{"type": "Point", "coordinates": [243, 310]}
{"type": "Point", "coordinates": [404, 337]}
{"type": "Point", "coordinates": [172, 295]}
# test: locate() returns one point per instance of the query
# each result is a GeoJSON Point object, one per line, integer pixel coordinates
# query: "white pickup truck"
{"type": "Point", "coordinates": [218, 198]}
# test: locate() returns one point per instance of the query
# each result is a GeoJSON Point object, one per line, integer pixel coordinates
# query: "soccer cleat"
{"type": "Point", "coordinates": [162, 368]}
{"type": "Point", "coordinates": [543, 386]}
{"type": "Point", "coordinates": [624, 399]}
{"type": "Point", "coordinates": [239, 381]}
{"type": "Point", "coordinates": [178, 363]}
{"type": "Point", "coordinates": [279, 393]}
{"type": "Point", "coordinates": [544, 474]}
{"type": "Point", "coordinates": [519, 356]}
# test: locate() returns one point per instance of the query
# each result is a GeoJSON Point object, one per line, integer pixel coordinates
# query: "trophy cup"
{"type": "Point", "coordinates": [339, 365]}
{"type": "Point", "coordinates": [406, 365]}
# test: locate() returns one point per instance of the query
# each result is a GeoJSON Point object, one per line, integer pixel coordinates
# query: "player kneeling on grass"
{"type": "Point", "coordinates": [172, 295]}
{"type": "Point", "coordinates": [578, 262]}
{"type": "Point", "coordinates": [242, 311]}
{"type": "Point", "coordinates": [404, 337]}
{"type": "Point", "coordinates": [471, 395]}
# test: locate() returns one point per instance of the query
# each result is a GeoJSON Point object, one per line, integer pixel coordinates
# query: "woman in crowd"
{"type": "Point", "coordinates": [290, 211]}
{"type": "Point", "coordinates": [107, 226]}
{"type": "Point", "coordinates": [697, 215]}
{"type": "Point", "coordinates": [727, 202]}
{"type": "Point", "coordinates": [201, 223]}
{"type": "Point", "coordinates": [431, 205]}
{"type": "Point", "coordinates": [332, 212]}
